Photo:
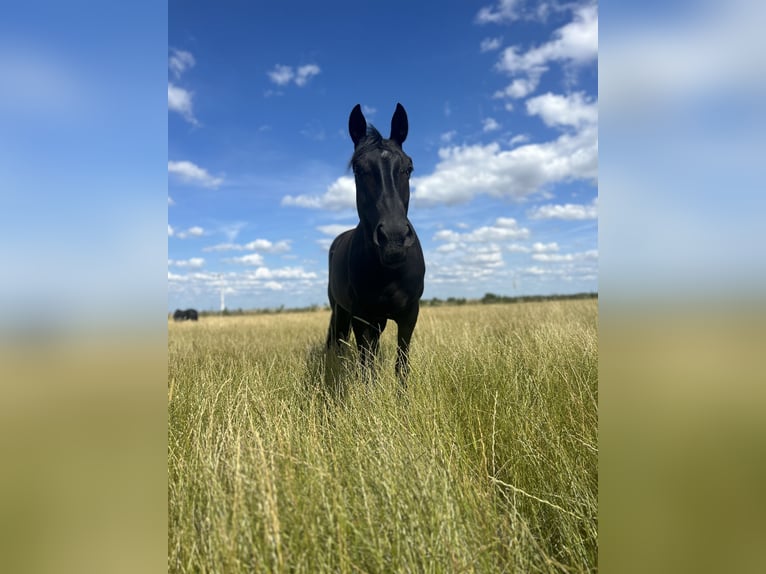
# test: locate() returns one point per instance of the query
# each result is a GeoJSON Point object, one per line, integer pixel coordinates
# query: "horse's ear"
{"type": "Point", "coordinates": [399, 125]}
{"type": "Point", "coordinates": [357, 125]}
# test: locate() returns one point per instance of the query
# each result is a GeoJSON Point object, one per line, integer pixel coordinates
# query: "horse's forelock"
{"type": "Point", "coordinates": [373, 140]}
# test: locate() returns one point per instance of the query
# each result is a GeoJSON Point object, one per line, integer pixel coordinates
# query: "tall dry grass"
{"type": "Point", "coordinates": [486, 462]}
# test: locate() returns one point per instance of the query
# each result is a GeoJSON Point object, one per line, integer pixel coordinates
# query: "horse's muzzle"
{"type": "Point", "coordinates": [393, 241]}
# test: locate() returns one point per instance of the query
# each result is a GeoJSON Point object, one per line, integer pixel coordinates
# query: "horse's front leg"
{"type": "Point", "coordinates": [367, 334]}
{"type": "Point", "coordinates": [340, 325]}
{"type": "Point", "coordinates": [406, 326]}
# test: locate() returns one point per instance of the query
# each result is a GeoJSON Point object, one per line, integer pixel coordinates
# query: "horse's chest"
{"type": "Point", "coordinates": [394, 296]}
{"type": "Point", "coordinates": [385, 298]}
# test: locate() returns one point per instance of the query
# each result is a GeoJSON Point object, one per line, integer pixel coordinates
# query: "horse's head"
{"type": "Point", "coordinates": [382, 173]}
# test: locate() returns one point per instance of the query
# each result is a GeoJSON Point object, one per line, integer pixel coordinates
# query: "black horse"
{"type": "Point", "coordinates": [189, 314]}
{"type": "Point", "coordinates": [377, 268]}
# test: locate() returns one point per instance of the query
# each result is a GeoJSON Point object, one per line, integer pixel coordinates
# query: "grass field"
{"type": "Point", "coordinates": [486, 463]}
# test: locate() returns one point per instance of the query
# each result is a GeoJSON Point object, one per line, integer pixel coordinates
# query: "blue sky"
{"type": "Point", "coordinates": [502, 102]}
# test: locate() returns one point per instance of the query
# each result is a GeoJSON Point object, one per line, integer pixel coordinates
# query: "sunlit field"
{"type": "Point", "coordinates": [486, 462]}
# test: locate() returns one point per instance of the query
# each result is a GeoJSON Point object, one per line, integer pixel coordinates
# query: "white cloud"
{"type": "Point", "coordinates": [447, 235]}
{"type": "Point", "coordinates": [505, 228]}
{"type": "Point", "coordinates": [194, 262]}
{"type": "Point", "coordinates": [461, 262]}
{"type": "Point", "coordinates": [567, 211]}
{"type": "Point", "coordinates": [465, 264]}
{"type": "Point", "coordinates": [575, 43]}
{"type": "Point", "coordinates": [490, 125]}
{"type": "Point", "coordinates": [248, 281]}
{"type": "Point", "coordinates": [477, 254]}
{"type": "Point", "coordinates": [304, 73]}
{"type": "Point", "coordinates": [261, 245]}
{"type": "Point", "coordinates": [223, 247]}
{"type": "Point", "coordinates": [581, 266]}
{"type": "Point", "coordinates": [504, 11]}
{"type": "Point", "coordinates": [242, 280]}
{"type": "Point", "coordinates": [170, 231]}
{"type": "Point", "coordinates": [441, 273]}
{"type": "Point", "coordinates": [517, 248]}
{"type": "Point", "coordinates": [180, 101]}
{"type": "Point", "coordinates": [463, 258]}
{"type": "Point", "coordinates": [467, 171]}
{"type": "Point", "coordinates": [552, 257]}
{"type": "Point", "coordinates": [180, 61]}
{"type": "Point", "coordinates": [340, 194]}
{"type": "Point", "coordinates": [282, 273]}
{"type": "Point", "coordinates": [334, 229]}
{"type": "Point", "coordinates": [570, 110]}
{"type": "Point", "coordinates": [251, 259]}
{"type": "Point", "coordinates": [191, 173]}
{"type": "Point", "coordinates": [170, 201]}
{"type": "Point", "coordinates": [266, 246]}
{"type": "Point", "coordinates": [490, 258]}
{"type": "Point", "coordinates": [520, 87]}
{"type": "Point", "coordinates": [447, 137]}
{"type": "Point", "coordinates": [197, 277]}
{"type": "Point", "coordinates": [519, 138]}
{"type": "Point", "coordinates": [538, 247]}
{"type": "Point", "coordinates": [282, 75]}
{"type": "Point", "coordinates": [195, 231]}
{"type": "Point", "coordinates": [490, 44]}
{"type": "Point", "coordinates": [590, 255]}
{"type": "Point", "coordinates": [534, 270]}
{"type": "Point", "coordinates": [324, 243]}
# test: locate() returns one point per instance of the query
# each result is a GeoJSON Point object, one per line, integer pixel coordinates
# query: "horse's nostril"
{"type": "Point", "coordinates": [379, 237]}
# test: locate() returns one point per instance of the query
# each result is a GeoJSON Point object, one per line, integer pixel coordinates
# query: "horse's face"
{"type": "Point", "coordinates": [382, 173]}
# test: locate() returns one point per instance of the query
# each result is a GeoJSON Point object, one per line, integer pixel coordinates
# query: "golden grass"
{"type": "Point", "coordinates": [486, 462]}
